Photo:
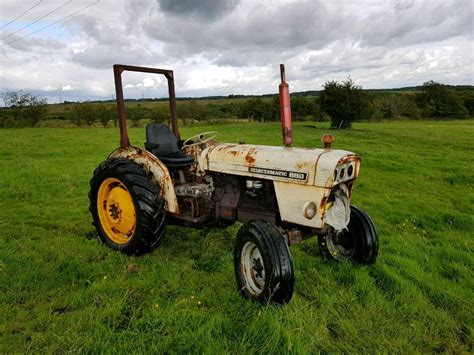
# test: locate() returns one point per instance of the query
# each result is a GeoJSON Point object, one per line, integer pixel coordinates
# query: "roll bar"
{"type": "Point", "coordinates": [118, 69]}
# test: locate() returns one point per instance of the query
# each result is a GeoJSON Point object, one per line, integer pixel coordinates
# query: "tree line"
{"type": "Point", "coordinates": [341, 103]}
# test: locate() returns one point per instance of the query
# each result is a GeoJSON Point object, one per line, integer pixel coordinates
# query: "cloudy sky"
{"type": "Point", "coordinates": [64, 49]}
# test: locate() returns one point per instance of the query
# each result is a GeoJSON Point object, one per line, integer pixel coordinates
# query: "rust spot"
{"type": "Point", "coordinates": [234, 153]}
{"type": "Point", "coordinates": [227, 212]}
{"type": "Point", "coordinates": [324, 200]}
{"type": "Point", "coordinates": [301, 166]}
{"type": "Point", "coordinates": [250, 156]}
{"type": "Point", "coordinates": [348, 158]}
{"type": "Point", "coordinates": [249, 159]}
{"type": "Point", "coordinates": [329, 181]}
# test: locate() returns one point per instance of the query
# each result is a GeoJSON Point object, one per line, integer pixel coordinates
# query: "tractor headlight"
{"type": "Point", "coordinates": [345, 172]}
{"type": "Point", "coordinates": [309, 209]}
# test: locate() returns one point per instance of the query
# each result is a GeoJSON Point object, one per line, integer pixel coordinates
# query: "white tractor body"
{"type": "Point", "coordinates": [301, 177]}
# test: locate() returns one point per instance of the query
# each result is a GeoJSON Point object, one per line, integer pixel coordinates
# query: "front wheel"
{"type": "Point", "coordinates": [358, 243]}
{"type": "Point", "coordinates": [263, 264]}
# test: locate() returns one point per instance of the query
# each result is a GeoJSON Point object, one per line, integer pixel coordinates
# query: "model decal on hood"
{"type": "Point", "coordinates": [280, 173]}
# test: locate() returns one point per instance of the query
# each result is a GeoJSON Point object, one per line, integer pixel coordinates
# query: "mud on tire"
{"type": "Point", "coordinates": [147, 200]}
{"type": "Point", "coordinates": [263, 263]}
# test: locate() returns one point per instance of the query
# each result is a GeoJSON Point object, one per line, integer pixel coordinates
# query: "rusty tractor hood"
{"type": "Point", "coordinates": [313, 167]}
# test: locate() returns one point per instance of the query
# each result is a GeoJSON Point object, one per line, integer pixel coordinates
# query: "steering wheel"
{"type": "Point", "coordinates": [201, 137]}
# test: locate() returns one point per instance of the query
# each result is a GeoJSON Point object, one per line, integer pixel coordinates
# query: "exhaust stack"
{"type": "Point", "coordinates": [285, 108]}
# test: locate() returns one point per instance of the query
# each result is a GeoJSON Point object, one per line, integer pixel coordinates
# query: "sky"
{"type": "Point", "coordinates": [65, 49]}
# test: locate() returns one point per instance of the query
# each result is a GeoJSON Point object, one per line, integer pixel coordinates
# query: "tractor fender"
{"type": "Point", "coordinates": [156, 168]}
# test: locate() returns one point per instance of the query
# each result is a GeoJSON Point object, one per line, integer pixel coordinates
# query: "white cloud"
{"type": "Point", "coordinates": [232, 47]}
{"type": "Point", "coordinates": [148, 82]}
{"type": "Point", "coordinates": [48, 88]}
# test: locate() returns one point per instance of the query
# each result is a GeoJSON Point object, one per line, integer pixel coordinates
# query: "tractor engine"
{"type": "Point", "coordinates": [243, 199]}
{"type": "Point", "coordinates": [195, 201]}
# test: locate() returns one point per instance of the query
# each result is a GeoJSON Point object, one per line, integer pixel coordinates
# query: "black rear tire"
{"type": "Point", "coordinates": [263, 264]}
{"type": "Point", "coordinates": [147, 200]}
{"type": "Point", "coordinates": [359, 243]}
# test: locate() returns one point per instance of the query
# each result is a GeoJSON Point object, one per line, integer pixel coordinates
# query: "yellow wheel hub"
{"type": "Point", "coordinates": [116, 210]}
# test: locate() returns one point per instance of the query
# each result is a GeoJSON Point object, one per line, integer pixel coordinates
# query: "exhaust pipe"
{"type": "Point", "coordinates": [285, 108]}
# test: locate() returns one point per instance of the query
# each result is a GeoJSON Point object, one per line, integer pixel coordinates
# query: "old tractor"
{"type": "Point", "coordinates": [281, 194]}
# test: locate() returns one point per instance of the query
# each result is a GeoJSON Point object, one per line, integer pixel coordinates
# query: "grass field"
{"type": "Point", "coordinates": [63, 291]}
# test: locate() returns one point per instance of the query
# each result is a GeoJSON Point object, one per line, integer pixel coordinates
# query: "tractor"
{"type": "Point", "coordinates": [281, 195]}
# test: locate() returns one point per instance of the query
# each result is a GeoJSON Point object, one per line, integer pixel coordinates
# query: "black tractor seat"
{"type": "Point", "coordinates": [163, 144]}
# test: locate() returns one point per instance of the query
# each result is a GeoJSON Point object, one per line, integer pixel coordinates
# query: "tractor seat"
{"type": "Point", "coordinates": [163, 144]}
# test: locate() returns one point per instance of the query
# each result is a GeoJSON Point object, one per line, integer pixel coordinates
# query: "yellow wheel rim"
{"type": "Point", "coordinates": [116, 211]}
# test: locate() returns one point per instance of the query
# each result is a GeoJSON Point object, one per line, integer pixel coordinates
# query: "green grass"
{"type": "Point", "coordinates": [63, 291]}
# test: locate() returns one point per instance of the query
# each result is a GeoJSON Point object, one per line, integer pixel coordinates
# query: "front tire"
{"type": "Point", "coordinates": [263, 264]}
{"type": "Point", "coordinates": [126, 206]}
{"type": "Point", "coordinates": [358, 243]}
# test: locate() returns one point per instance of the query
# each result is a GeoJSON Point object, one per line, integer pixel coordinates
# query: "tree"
{"type": "Point", "coordinates": [438, 101]}
{"type": "Point", "coordinates": [135, 114]}
{"type": "Point", "coordinates": [161, 114]}
{"type": "Point", "coordinates": [302, 107]}
{"type": "Point", "coordinates": [26, 109]}
{"type": "Point", "coordinates": [84, 112]}
{"type": "Point", "coordinates": [191, 111]}
{"type": "Point", "coordinates": [344, 102]}
{"type": "Point", "coordinates": [256, 108]}
{"type": "Point", "coordinates": [395, 106]}
{"type": "Point", "coordinates": [468, 98]}
{"type": "Point", "coordinates": [105, 113]}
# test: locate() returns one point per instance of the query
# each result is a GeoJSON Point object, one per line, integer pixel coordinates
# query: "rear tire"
{"type": "Point", "coordinates": [263, 264]}
{"type": "Point", "coordinates": [126, 206]}
{"type": "Point", "coordinates": [359, 243]}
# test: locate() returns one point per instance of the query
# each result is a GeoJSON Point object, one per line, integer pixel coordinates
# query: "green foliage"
{"type": "Point", "coordinates": [438, 101]}
{"type": "Point", "coordinates": [468, 99]}
{"type": "Point", "coordinates": [105, 114]}
{"type": "Point", "coordinates": [24, 109]}
{"type": "Point", "coordinates": [303, 107]}
{"type": "Point", "coordinates": [84, 113]}
{"type": "Point", "coordinates": [136, 113]}
{"type": "Point", "coordinates": [344, 102]}
{"type": "Point", "coordinates": [161, 114]}
{"type": "Point", "coordinates": [259, 110]}
{"type": "Point", "coordinates": [395, 106]}
{"type": "Point", "coordinates": [61, 291]}
{"type": "Point", "coordinates": [191, 111]}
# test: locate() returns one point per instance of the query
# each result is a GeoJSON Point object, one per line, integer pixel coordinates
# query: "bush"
{"type": "Point", "coordinates": [191, 111]}
{"type": "Point", "coordinates": [303, 108]}
{"type": "Point", "coordinates": [258, 109]}
{"type": "Point", "coordinates": [395, 107]}
{"type": "Point", "coordinates": [137, 113]}
{"type": "Point", "coordinates": [438, 101]}
{"type": "Point", "coordinates": [161, 114]}
{"type": "Point", "coordinates": [468, 99]}
{"type": "Point", "coordinates": [84, 113]}
{"type": "Point", "coordinates": [24, 109]}
{"type": "Point", "coordinates": [105, 114]}
{"type": "Point", "coordinates": [344, 103]}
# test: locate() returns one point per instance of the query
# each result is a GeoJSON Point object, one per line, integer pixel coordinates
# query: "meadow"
{"type": "Point", "coordinates": [62, 291]}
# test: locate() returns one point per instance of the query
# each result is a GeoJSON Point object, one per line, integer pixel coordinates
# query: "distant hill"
{"type": "Point", "coordinates": [294, 94]}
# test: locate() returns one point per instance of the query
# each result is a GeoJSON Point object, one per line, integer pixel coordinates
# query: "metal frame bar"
{"type": "Point", "coordinates": [118, 69]}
